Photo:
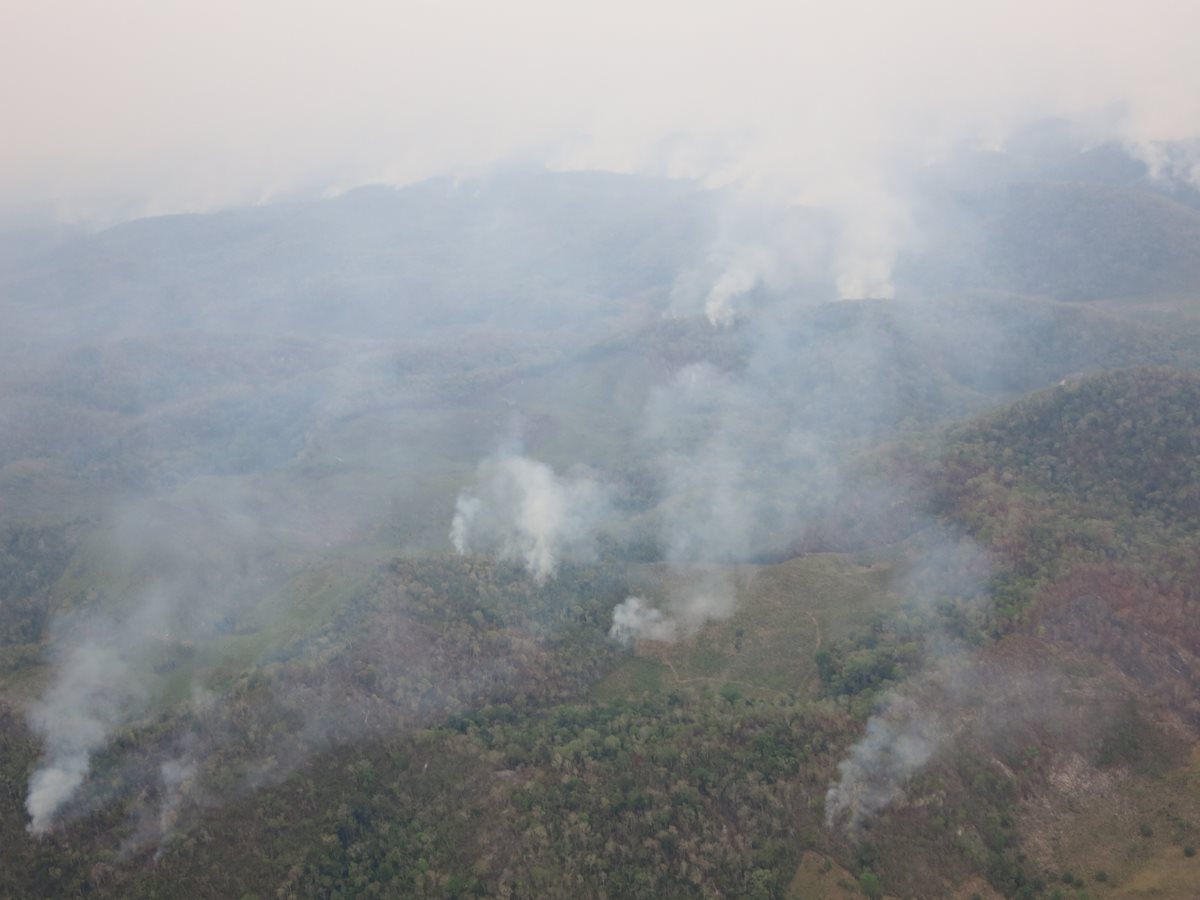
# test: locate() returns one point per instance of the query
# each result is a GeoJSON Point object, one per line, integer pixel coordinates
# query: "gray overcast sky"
{"type": "Point", "coordinates": [121, 107]}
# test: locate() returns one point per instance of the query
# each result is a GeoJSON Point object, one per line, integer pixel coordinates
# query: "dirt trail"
{"type": "Point", "coordinates": [695, 679]}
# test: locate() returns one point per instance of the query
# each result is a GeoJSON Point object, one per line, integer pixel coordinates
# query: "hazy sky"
{"type": "Point", "coordinates": [120, 107]}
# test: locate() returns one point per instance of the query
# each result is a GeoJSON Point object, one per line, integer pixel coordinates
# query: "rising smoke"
{"type": "Point", "coordinates": [913, 725]}
{"type": "Point", "coordinates": [94, 693]}
{"type": "Point", "coordinates": [520, 509]}
{"type": "Point", "coordinates": [188, 575]}
{"type": "Point", "coordinates": [634, 620]}
{"type": "Point", "coordinates": [694, 596]}
{"type": "Point", "coordinates": [897, 744]}
{"type": "Point", "coordinates": [751, 456]}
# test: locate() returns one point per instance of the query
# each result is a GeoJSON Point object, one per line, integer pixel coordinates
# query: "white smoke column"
{"type": "Point", "coordinates": [194, 570]}
{"type": "Point", "coordinates": [466, 509]}
{"type": "Point", "coordinates": [711, 598]}
{"type": "Point", "coordinates": [177, 776]}
{"type": "Point", "coordinates": [897, 744]}
{"type": "Point", "coordinates": [866, 275]}
{"type": "Point", "coordinates": [749, 267]}
{"type": "Point", "coordinates": [760, 248]}
{"type": "Point", "coordinates": [101, 685]}
{"type": "Point", "coordinates": [1173, 163]}
{"type": "Point", "coordinates": [90, 698]}
{"type": "Point", "coordinates": [634, 620]}
{"type": "Point", "coordinates": [719, 305]}
{"type": "Point", "coordinates": [873, 217]}
{"type": "Point", "coordinates": [520, 509]}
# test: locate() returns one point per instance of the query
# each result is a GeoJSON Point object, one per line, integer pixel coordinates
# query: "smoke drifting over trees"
{"type": "Point", "coordinates": [718, 438]}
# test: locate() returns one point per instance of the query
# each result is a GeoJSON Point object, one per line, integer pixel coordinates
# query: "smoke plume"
{"type": "Point", "coordinates": [93, 694]}
{"type": "Point", "coordinates": [634, 620]}
{"type": "Point", "coordinates": [912, 725]}
{"type": "Point", "coordinates": [187, 574]}
{"type": "Point", "coordinates": [694, 596]}
{"type": "Point", "coordinates": [519, 509]}
{"type": "Point", "coordinates": [897, 744]}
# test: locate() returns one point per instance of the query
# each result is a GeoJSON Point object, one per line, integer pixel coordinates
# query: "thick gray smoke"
{"type": "Point", "coordinates": [520, 509]}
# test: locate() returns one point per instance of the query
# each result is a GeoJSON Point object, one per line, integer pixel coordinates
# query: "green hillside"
{"type": "Point", "coordinates": [925, 570]}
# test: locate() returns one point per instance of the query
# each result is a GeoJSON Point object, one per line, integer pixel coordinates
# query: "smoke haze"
{"type": "Point", "coordinates": [200, 106]}
{"type": "Point", "coordinates": [732, 274]}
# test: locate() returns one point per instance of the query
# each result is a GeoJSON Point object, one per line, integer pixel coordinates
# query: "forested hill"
{"type": "Point", "coordinates": [1089, 494]}
{"type": "Point", "coordinates": [457, 540]}
{"type": "Point", "coordinates": [1123, 445]}
{"type": "Point", "coordinates": [1081, 241]}
{"type": "Point", "coordinates": [523, 249]}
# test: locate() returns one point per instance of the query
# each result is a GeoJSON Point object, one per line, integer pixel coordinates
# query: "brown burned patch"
{"type": "Point", "coordinates": [976, 888]}
{"type": "Point", "coordinates": [1149, 629]}
{"type": "Point", "coordinates": [1074, 793]}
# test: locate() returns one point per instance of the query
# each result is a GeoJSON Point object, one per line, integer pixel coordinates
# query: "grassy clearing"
{"type": "Point", "coordinates": [1123, 835]}
{"type": "Point", "coordinates": [634, 678]}
{"type": "Point", "coordinates": [300, 592]}
{"type": "Point", "coordinates": [304, 603]}
{"type": "Point", "coordinates": [1168, 874]}
{"type": "Point", "coordinates": [820, 878]}
{"type": "Point", "coordinates": [784, 614]}
{"type": "Point", "coordinates": [1158, 864]}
